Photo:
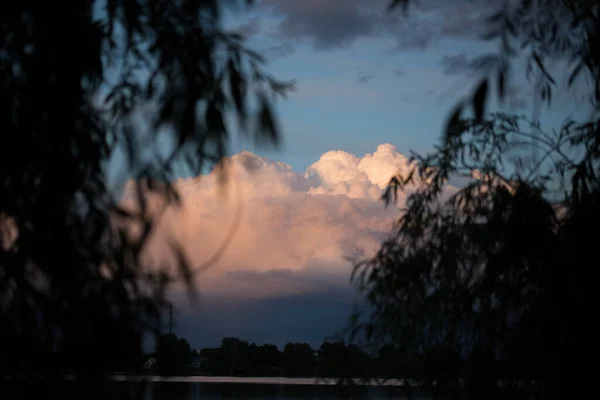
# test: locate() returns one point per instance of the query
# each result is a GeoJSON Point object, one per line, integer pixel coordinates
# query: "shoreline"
{"type": "Point", "coordinates": [247, 380]}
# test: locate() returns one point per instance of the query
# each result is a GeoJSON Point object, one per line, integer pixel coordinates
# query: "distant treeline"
{"type": "Point", "coordinates": [236, 357]}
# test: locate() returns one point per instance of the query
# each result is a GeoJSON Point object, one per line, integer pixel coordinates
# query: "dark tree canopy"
{"type": "Point", "coordinates": [340, 361]}
{"type": "Point", "coordinates": [492, 288]}
{"type": "Point", "coordinates": [298, 360]}
{"type": "Point", "coordinates": [73, 77]}
{"type": "Point", "coordinates": [173, 355]}
{"type": "Point", "coordinates": [493, 284]}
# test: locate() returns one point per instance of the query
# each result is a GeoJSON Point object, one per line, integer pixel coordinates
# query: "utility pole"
{"type": "Point", "coordinates": [170, 318]}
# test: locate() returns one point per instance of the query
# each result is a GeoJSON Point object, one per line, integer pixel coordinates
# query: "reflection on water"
{"type": "Point", "coordinates": [222, 391]}
{"type": "Point", "coordinates": [203, 391]}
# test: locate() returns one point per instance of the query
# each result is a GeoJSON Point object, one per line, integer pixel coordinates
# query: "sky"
{"type": "Point", "coordinates": [371, 88]}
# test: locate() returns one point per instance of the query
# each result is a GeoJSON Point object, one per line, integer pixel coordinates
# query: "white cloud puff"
{"type": "Point", "coordinates": [339, 172]}
{"type": "Point", "coordinates": [296, 231]}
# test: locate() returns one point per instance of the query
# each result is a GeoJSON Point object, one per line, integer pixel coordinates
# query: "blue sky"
{"type": "Point", "coordinates": [371, 86]}
{"type": "Point", "coordinates": [363, 79]}
{"type": "Point", "coordinates": [370, 90]}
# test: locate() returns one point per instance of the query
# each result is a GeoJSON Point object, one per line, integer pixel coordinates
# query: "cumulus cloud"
{"type": "Point", "coordinates": [296, 231]}
{"type": "Point", "coordinates": [294, 239]}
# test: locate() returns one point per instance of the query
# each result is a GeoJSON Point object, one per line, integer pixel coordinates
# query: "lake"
{"type": "Point", "coordinates": [202, 388]}
{"type": "Point", "coordinates": [262, 391]}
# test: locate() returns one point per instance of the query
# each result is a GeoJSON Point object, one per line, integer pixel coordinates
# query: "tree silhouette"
{"type": "Point", "coordinates": [491, 287]}
{"type": "Point", "coordinates": [75, 81]}
{"type": "Point", "coordinates": [498, 274]}
{"type": "Point", "coordinates": [173, 355]}
{"type": "Point", "coordinates": [298, 360]}
{"type": "Point", "coordinates": [235, 353]}
{"type": "Point", "coordinates": [346, 363]}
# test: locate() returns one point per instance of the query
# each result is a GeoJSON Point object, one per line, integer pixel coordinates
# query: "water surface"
{"type": "Point", "coordinates": [199, 388]}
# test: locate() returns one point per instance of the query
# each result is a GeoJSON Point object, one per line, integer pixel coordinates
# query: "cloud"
{"type": "Point", "coordinates": [363, 77]}
{"type": "Point", "coordinates": [293, 318]}
{"type": "Point", "coordinates": [477, 66]}
{"type": "Point", "coordinates": [431, 20]}
{"type": "Point", "coordinates": [280, 50]}
{"type": "Point", "coordinates": [296, 234]}
{"type": "Point", "coordinates": [250, 28]}
{"type": "Point", "coordinates": [327, 90]}
{"type": "Point", "coordinates": [329, 24]}
{"type": "Point", "coordinates": [294, 225]}
{"type": "Point", "coordinates": [455, 62]}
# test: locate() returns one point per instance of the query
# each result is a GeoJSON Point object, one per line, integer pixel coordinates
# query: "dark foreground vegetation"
{"type": "Point", "coordinates": [494, 284]}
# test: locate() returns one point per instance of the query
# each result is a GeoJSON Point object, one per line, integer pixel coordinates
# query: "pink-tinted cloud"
{"type": "Point", "coordinates": [296, 231]}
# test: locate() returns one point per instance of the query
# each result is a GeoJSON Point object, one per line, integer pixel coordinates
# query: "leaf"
{"type": "Point", "coordinates": [453, 125]}
{"type": "Point", "coordinates": [395, 3]}
{"type": "Point", "coordinates": [496, 17]}
{"type": "Point", "coordinates": [236, 85]}
{"type": "Point", "coordinates": [214, 120]}
{"type": "Point", "coordinates": [123, 213]}
{"type": "Point", "coordinates": [575, 73]}
{"type": "Point", "coordinates": [479, 99]}
{"type": "Point", "coordinates": [267, 121]}
{"type": "Point", "coordinates": [110, 96]}
{"type": "Point", "coordinates": [501, 85]}
{"type": "Point", "coordinates": [493, 34]}
{"type": "Point", "coordinates": [166, 111]}
{"type": "Point", "coordinates": [540, 64]}
{"type": "Point", "coordinates": [510, 26]}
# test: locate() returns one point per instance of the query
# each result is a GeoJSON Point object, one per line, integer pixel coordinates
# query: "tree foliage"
{"type": "Point", "coordinates": [491, 287]}
{"type": "Point", "coordinates": [343, 362]}
{"type": "Point", "coordinates": [173, 355]}
{"type": "Point", "coordinates": [74, 80]}
{"type": "Point", "coordinates": [298, 360]}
